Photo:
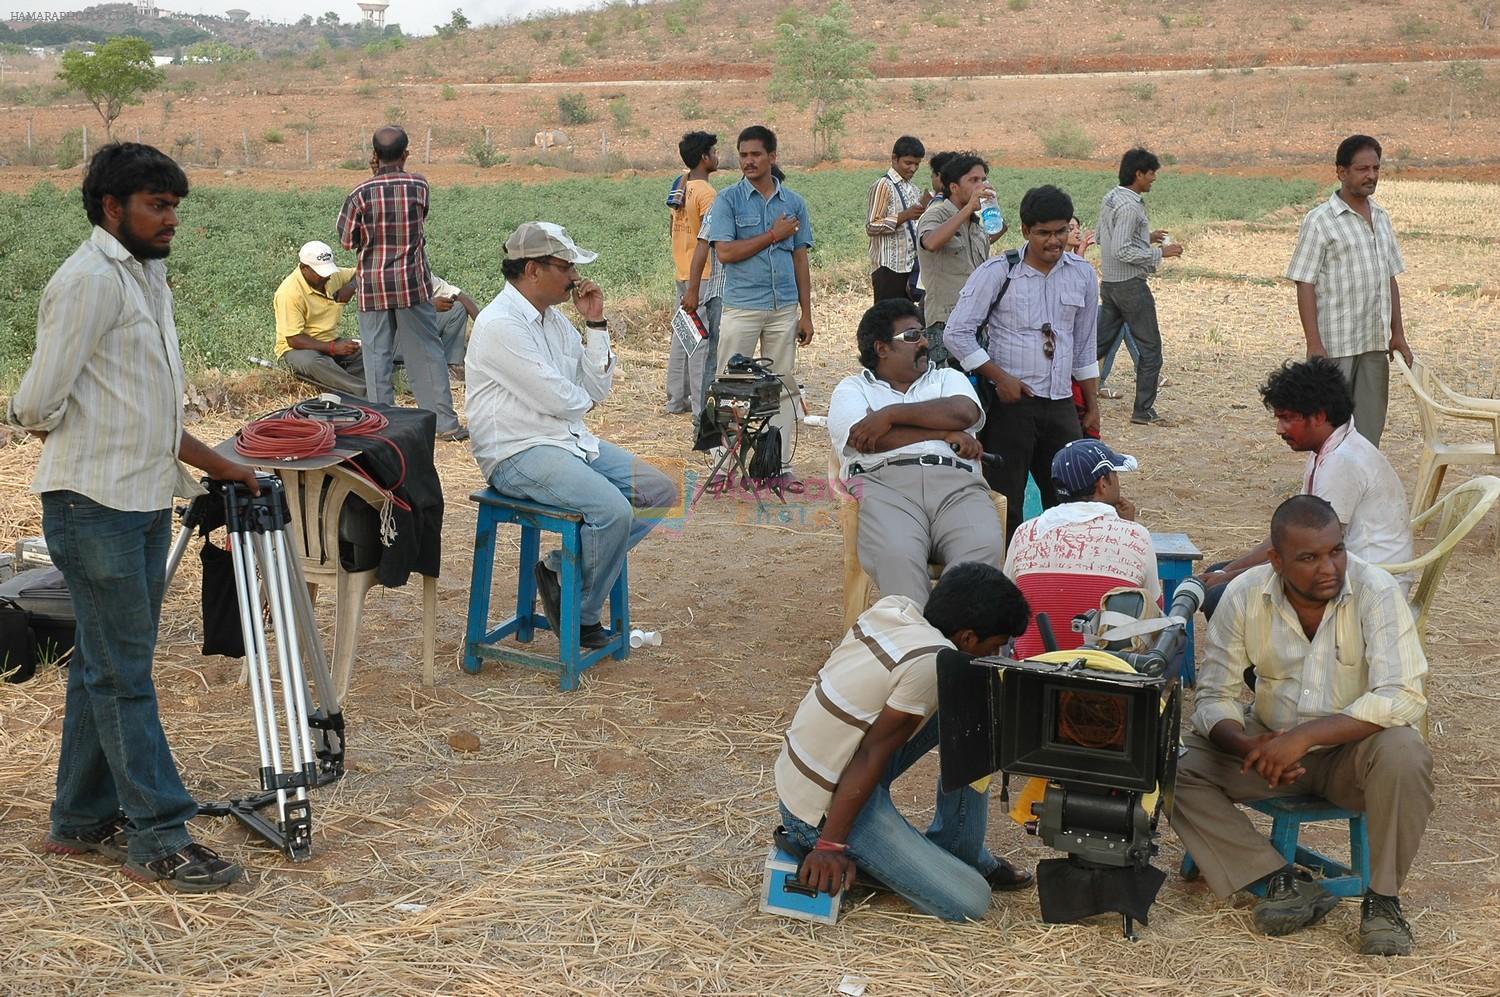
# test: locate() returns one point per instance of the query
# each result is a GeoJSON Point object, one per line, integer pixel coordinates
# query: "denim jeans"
{"type": "Point", "coordinates": [1107, 363]}
{"type": "Point", "coordinates": [608, 490]}
{"type": "Point", "coordinates": [941, 872]}
{"type": "Point", "coordinates": [114, 754]}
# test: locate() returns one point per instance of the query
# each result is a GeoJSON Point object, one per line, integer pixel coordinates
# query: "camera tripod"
{"type": "Point", "coordinates": [743, 428]}
{"type": "Point", "coordinates": [264, 561]}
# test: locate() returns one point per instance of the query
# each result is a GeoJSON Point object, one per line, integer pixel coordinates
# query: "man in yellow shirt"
{"type": "Point", "coordinates": [309, 303]}
{"type": "Point", "coordinates": [692, 195]}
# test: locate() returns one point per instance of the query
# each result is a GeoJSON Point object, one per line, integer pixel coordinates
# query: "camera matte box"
{"type": "Point", "coordinates": [780, 892]}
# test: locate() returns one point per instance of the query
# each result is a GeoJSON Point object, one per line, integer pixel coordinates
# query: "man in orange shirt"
{"type": "Point", "coordinates": [690, 199]}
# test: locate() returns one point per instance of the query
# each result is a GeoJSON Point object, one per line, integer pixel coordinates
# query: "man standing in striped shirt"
{"type": "Point", "coordinates": [383, 219]}
{"type": "Point", "coordinates": [890, 222]}
{"type": "Point", "coordinates": [1345, 266]}
{"type": "Point", "coordinates": [871, 715]}
{"type": "Point", "coordinates": [1128, 252]}
{"type": "Point", "coordinates": [1338, 700]}
{"type": "Point", "coordinates": [104, 393]}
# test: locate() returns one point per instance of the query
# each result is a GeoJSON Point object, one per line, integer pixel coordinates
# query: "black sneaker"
{"type": "Point", "coordinates": [1382, 929]}
{"type": "Point", "coordinates": [108, 839]}
{"type": "Point", "coordinates": [192, 869]}
{"type": "Point", "coordinates": [593, 636]}
{"type": "Point", "coordinates": [1292, 902]}
{"type": "Point", "coordinates": [549, 591]}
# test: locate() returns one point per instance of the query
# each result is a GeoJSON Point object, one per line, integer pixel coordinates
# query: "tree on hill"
{"type": "Point", "coordinates": [458, 23]}
{"type": "Point", "coordinates": [115, 74]}
{"type": "Point", "coordinates": [823, 64]}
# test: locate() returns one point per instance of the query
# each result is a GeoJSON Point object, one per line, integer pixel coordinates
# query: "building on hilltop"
{"type": "Point", "coordinates": [374, 12]}
{"type": "Point", "coordinates": [237, 15]}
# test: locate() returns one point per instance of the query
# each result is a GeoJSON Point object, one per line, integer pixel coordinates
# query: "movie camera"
{"type": "Point", "coordinates": [737, 411]}
{"type": "Point", "coordinates": [1099, 729]}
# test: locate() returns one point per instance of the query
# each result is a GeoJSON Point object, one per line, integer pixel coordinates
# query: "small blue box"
{"type": "Point", "coordinates": [782, 894]}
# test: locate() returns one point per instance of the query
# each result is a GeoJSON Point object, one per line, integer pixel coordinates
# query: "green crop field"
{"type": "Point", "coordinates": [235, 245]}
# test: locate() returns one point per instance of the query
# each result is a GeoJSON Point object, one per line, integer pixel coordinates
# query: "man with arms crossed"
{"type": "Point", "coordinates": [903, 430]}
{"type": "Point", "coordinates": [104, 393]}
{"type": "Point", "coordinates": [871, 715]}
{"type": "Point", "coordinates": [1336, 711]}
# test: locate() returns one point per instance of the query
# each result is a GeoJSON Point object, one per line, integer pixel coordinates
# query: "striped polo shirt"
{"type": "Point", "coordinates": [888, 658]}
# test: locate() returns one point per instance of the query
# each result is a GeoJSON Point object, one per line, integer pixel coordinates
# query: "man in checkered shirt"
{"type": "Point", "coordinates": [382, 219]}
{"type": "Point", "coordinates": [1345, 266]}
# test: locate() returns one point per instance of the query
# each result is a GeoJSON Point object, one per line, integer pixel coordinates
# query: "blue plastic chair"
{"type": "Point", "coordinates": [1288, 814]}
{"type": "Point", "coordinates": [481, 641]}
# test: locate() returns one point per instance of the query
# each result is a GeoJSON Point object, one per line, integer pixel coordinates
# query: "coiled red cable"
{"type": "Point", "coordinates": [283, 437]}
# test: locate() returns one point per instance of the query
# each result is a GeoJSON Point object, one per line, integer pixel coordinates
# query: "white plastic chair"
{"type": "Point", "coordinates": [1434, 401]}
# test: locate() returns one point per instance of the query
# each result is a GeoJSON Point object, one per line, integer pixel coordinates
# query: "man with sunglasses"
{"type": "Point", "coordinates": [1037, 316]}
{"type": "Point", "coordinates": [532, 378]}
{"type": "Point", "coordinates": [903, 430]}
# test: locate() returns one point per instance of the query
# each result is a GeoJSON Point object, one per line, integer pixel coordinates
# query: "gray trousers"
{"type": "Point", "coordinates": [688, 376]}
{"type": "Point", "coordinates": [1388, 775]}
{"type": "Point", "coordinates": [911, 516]}
{"type": "Point", "coordinates": [414, 333]}
{"type": "Point", "coordinates": [453, 327]}
{"type": "Point", "coordinates": [345, 375]}
{"type": "Point", "coordinates": [1130, 303]}
{"type": "Point", "coordinates": [1369, 377]}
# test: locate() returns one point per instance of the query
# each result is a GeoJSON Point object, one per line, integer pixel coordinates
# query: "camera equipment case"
{"type": "Point", "coordinates": [781, 893]}
{"type": "Point", "coordinates": [36, 621]}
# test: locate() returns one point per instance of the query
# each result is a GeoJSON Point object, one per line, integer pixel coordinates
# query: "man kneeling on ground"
{"type": "Point", "coordinates": [870, 715]}
{"type": "Point", "coordinates": [904, 430]}
{"type": "Point", "coordinates": [532, 379]}
{"type": "Point", "coordinates": [1336, 706]}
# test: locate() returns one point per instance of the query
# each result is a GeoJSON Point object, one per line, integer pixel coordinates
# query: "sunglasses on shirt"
{"type": "Point", "coordinates": [1049, 340]}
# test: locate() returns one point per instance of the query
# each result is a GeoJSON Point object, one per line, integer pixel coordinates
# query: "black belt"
{"type": "Point", "coordinates": [925, 460]}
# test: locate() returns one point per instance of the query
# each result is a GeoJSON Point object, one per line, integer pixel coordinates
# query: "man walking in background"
{"type": "Point", "coordinates": [383, 219]}
{"type": "Point", "coordinates": [890, 222]}
{"type": "Point", "coordinates": [762, 232]}
{"type": "Point", "coordinates": [1128, 252]}
{"type": "Point", "coordinates": [686, 374]}
{"type": "Point", "coordinates": [1345, 268]}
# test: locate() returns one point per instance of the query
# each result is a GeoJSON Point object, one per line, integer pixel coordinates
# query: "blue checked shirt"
{"type": "Point", "coordinates": [766, 281]}
{"type": "Point", "coordinates": [1067, 298]}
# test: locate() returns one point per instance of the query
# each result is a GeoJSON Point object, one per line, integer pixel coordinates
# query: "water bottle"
{"type": "Point", "coordinates": [989, 215]}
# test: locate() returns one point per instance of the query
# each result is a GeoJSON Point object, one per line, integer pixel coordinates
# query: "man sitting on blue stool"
{"type": "Point", "coordinates": [1336, 707]}
{"type": "Point", "coordinates": [531, 380]}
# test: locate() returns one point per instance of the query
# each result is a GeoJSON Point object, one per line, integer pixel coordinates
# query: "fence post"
{"type": "Point", "coordinates": [138, 134]}
{"type": "Point", "coordinates": [427, 155]}
{"type": "Point", "coordinates": [85, 143]}
{"type": "Point", "coordinates": [28, 137]}
{"type": "Point", "coordinates": [245, 143]}
{"type": "Point", "coordinates": [307, 146]}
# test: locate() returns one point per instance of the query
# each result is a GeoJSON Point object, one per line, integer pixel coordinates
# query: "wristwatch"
{"type": "Point", "coordinates": [601, 324]}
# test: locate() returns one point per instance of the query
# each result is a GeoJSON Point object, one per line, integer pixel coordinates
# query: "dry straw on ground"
{"type": "Point", "coordinates": [609, 841]}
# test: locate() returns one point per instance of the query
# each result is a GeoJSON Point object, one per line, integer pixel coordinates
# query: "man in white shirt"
{"type": "Point", "coordinates": [532, 379]}
{"type": "Point", "coordinates": [1335, 715]}
{"type": "Point", "coordinates": [903, 430]}
{"type": "Point", "coordinates": [1313, 407]}
{"type": "Point", "coordinates": [1068, 558]}
{"type": "Point", "coordinates": [104, 393]}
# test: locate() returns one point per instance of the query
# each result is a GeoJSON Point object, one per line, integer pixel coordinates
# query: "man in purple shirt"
{"type": "Point", "coordinates": [1037, 316]}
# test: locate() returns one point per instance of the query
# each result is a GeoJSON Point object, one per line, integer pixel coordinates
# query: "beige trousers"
{"type": "Point", "coordinates": [773, 335]}
{"type": "Point", "coordinates": [1388, 775]}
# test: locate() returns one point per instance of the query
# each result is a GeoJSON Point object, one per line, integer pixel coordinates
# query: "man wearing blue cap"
{"type": "Point", "coordinates": [1066, 559]}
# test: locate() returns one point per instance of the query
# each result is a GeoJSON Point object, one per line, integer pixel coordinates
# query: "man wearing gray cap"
{"type": "Point", "coordinates": [531, 380]}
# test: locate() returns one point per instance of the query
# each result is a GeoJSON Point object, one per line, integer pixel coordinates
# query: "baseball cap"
{"type": "Point", "coordinates": [318, 256]}
{"type": "Point", "coordinates": [532, 240]}
{"type": "Point", "coordinates": [1078, 466]}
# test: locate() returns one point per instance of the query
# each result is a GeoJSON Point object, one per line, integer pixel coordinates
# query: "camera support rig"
{"type": "Point", "coordinates": [264, 561]}
{"type": "Point", "coordinates": [737, 411]}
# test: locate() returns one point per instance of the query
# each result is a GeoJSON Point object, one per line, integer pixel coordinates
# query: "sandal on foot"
{"type": "Point", "coordinates": [192, 869]}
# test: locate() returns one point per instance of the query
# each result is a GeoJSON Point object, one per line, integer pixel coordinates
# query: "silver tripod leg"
{"type": "Point", "coordinates": [179, 547]}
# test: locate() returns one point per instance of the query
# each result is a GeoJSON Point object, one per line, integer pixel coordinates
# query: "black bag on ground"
{"type": "Point", "coordinates": [36, 622]}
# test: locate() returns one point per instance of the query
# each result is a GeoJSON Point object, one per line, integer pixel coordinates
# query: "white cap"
{"type": "Point", "coordinates": [318, 256]}
{"type": "Point", "coordinates": [532, 240]}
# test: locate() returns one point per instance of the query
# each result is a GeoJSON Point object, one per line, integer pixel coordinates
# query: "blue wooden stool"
{"type": "Point", "coordinates": [1288, 814]}
{"type": "Point", "coordinates": [1175, 555]}
{"type": "Point", "coordinates": [480, 641]}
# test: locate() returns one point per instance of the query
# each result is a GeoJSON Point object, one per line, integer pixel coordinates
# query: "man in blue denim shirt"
{"type": "Point", "coordinates": [761, 232]}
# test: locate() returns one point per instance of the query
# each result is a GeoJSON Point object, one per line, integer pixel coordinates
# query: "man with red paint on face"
{"type": "Point", "coordinates": [1311, 403]}
{"type": "Point", "coordinates": [104, 393]}
{"type": "Point", "coordinates": [1336, 715]}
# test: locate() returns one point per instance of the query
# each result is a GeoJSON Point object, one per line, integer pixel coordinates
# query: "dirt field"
{"type": "Point", "coordinates": [610, 841]}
